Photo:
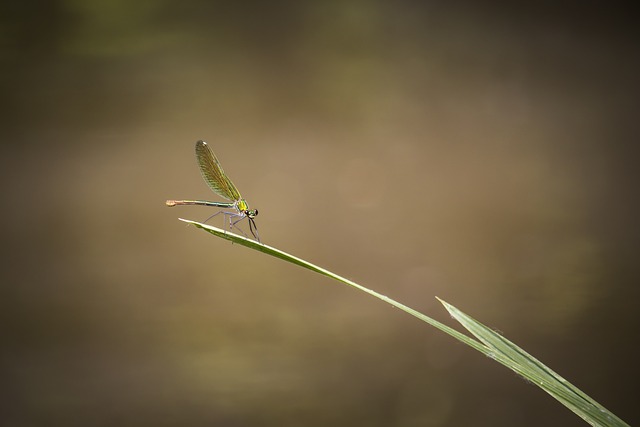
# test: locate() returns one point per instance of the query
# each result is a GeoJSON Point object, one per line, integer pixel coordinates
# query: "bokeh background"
{"type": "Point", "coordinates": [485, 153]}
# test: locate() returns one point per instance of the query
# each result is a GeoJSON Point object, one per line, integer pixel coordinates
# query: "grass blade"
{"type": "Point", "coordinates": [521, 362]}
{"type": "Point", "coordinates": [488, 341]}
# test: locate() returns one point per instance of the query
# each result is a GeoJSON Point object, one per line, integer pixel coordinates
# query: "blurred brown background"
{"type": "Point", "coordinates": [482, 153]}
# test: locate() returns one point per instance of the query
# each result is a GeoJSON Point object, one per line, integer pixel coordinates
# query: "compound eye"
{"type": "Point", "coordinates": [255, 212]}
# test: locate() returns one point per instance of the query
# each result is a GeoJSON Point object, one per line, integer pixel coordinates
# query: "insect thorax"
{"type": "Point", "coordinates": [242, 205]}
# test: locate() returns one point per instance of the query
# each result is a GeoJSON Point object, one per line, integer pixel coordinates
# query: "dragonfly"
{"type": "Point", "coordinates": [220, 184]}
